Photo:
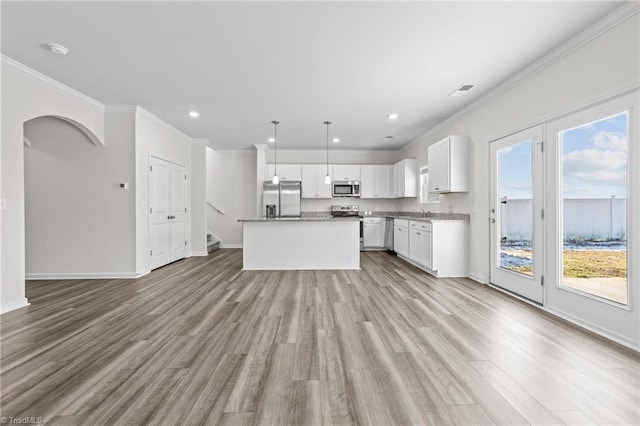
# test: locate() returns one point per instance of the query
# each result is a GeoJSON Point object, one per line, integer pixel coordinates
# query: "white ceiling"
{"type": "Point", "coordinates": [243, 64]}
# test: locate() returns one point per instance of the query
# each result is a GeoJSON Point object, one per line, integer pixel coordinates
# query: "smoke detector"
{"type": "Point", "coordinates": [58, 49]}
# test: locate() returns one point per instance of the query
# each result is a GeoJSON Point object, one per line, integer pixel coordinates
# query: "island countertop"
{"type": "Point", "coordinates": [311, 243]}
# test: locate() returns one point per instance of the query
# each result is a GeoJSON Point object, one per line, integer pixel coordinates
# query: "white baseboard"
{"type": "Point", "coordinates": [12, 306]}
{"type": "Point", "coordinates": [230, 246]}
{"type": "Point", "coordinates": [82, 275]}
{"type": "Point", "coordinates": [143, 273]}
{"type": "Point", "coordinates": [608, 334]}
{"type": "Point", "coordinates": [200, 253]}
{"type": "Point", "coordinates": [479, 278]}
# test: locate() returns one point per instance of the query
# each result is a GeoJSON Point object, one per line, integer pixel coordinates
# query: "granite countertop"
{"type": "Point", "coordinates": [445, 217]}
{"type": "Point", "coordinates": [302, 219]}
{"type": "Point", "coordinates": [430, 217]}
{"type": "Point", "coordinates": [324, 217]}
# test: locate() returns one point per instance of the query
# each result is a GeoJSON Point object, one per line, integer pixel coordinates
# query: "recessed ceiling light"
{"type": "Point", "coordinates": [194, 114]}
{"type": "Point", "coordinates": [58, 49]}
{"type": "Point", "coordinates": [271, 140]}
{"type": "Point", "coordinates": [392, 116]}
{"type": "Point", "coordinates": [388, 138]}
{"type": "Point", "coordinates": [336, 140]}
{"type": "Point", "coordinates": [462, 90]}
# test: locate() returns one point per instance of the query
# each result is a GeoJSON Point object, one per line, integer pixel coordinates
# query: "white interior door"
{"type": "Point", "coordinates": [167, 214]}
{"type": "Point", "coordinates": [516, 213]}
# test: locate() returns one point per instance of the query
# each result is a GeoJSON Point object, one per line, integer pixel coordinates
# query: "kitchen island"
{"type": "Point", "coordinates": [301, 243]}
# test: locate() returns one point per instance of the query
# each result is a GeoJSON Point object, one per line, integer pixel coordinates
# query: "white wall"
{"type": "Point", "coordinates": [199, 197]}
{"type": "Point", "coordinates": [336, 156]}
{"type": "Point", "coordinates": [600, 68]}
{"type": "Point", "coordinates": [231, 187]}
{"type": "Point", "coordinates": [78, 221]}
{"type": "Point", "coordinates": [27, 95]}
{"type": "Point", "coordinates": [153, 137]}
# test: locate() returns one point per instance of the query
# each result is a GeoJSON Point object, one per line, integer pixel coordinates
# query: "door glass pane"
{"type": "Point", "coordinates": [594, 207]}
{"type": "Point", "coordinates": [515, 208]}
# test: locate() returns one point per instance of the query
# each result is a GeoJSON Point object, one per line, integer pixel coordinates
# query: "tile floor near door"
{"type": "Point", "coordinates": [202, 342]}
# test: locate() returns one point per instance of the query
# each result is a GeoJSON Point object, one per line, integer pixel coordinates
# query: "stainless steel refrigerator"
{"type": "Point", "coordinates": [285, 196]}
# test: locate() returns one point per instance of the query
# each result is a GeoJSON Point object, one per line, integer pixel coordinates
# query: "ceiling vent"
{"type": "Point", "coordinates": [462, 90]}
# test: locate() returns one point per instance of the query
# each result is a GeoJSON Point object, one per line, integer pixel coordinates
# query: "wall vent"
{"type": "Point", "coordinates": [462, 90]}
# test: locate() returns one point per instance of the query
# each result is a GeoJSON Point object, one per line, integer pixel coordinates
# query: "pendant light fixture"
{"type": "Point", "coordinates": [275, 179]}
{"type": "Point", "coordinates": [327, 178]}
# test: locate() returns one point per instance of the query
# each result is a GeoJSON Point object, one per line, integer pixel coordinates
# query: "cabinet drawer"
{"type": "Point", "coordinates": [377, 220]}
{"type": "Point", "coordinates": [419, 225]}
{"type": "Point", "coordinates": [401, 222]}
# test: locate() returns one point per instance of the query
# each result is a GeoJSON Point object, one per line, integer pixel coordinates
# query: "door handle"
{"type": "Point", "coordinates": [171, 217]}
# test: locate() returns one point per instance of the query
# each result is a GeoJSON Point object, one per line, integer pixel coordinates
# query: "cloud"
{"type": "Point", "coordinates": [590, 160]}
{"type": "Point", "coordinates": [596, 166]}
{"type": "Point", "coordinates": [610, 141]}
{"type": "Point", "coordinates": [603, 177]}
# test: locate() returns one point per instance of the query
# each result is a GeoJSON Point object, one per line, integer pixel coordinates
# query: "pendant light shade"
{"type": "Point", "coordinates": [327, 178]}
{"type": "Point", "coordinates": [275, 179]}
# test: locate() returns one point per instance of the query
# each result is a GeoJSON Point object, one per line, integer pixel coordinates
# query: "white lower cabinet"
{"type": "Point", "coordinates": [373, 232]}
{"type": "Point", "coordinates": [420, 243]}
{"type": "Point", "coordinates": [439, 247]}
{"type": "Point", "coordinates": [401, 237]}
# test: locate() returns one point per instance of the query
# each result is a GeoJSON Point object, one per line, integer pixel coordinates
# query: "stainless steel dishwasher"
{"type": "Point", "coordinates": [388, 234]}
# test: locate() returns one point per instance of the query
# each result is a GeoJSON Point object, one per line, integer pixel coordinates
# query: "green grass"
{"type": "Point", "coordinates": [594, 264]}
{"type": "Point", "coordinates": [588, 264]}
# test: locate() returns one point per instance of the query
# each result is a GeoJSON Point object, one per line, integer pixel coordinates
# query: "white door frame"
{"type": "Point", "coordinates": [529, 287]}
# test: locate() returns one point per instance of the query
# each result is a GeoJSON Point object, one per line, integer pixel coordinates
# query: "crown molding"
{"type": "Point", "coordinates": [616, 17]}
{"type": "Point", "coordinates": [200, 141]}
{"type": "Point", "coordinates": [23, 70]}
{"type": "Point", "coordinates": [162, 123]}
{"type": "Point", "coordinates": [121, 108]}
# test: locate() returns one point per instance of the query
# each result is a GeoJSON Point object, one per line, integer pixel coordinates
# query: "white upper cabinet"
{"type": "Point", "coordinates": [405, 178]}
{"type": "Point", "coordinates": [449, 165]}
{"type": "Point", "coordinates": [376, 181]}
{"type": "Point", "coordinates": [285, 171]}
{"type": "Point", "coordinates": [346, 172]}
{"type": "Point", "coordinates": [313, 185]}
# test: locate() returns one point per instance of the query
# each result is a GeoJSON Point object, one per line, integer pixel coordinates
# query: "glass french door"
{"type": "Point", "coordinates": [592, 191]}
{"type": "Point", "coordinates": [516, 214]}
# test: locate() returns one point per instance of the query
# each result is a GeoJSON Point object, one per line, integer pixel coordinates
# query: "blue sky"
{"type": "Point", "coordinates": [594, 162]}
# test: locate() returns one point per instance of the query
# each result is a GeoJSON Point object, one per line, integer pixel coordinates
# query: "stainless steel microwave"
{"type": "Point", "coordinates": [345, 188]}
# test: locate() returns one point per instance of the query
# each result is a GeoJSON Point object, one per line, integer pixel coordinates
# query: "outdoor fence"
{"type": "Point", "coordinates": [583, 219]}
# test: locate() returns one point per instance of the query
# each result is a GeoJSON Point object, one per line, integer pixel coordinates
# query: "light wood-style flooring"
{"type": "Point", "coordinates": [202, 342]}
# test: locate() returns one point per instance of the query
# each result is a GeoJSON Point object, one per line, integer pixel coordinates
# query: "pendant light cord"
{"type": "Point", "coordinates": [275, 145]}
{"type": "Point", "coordinates": [327, 124]}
